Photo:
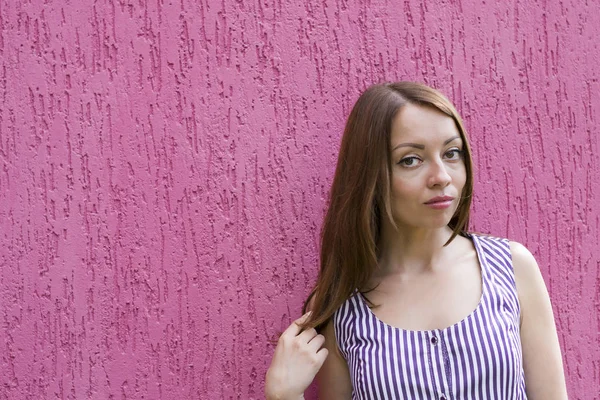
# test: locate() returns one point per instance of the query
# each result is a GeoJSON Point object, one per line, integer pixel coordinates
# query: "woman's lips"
{"type": "Point", "coordinates": [440, 202]}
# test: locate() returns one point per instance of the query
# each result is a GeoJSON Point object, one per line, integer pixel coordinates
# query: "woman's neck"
{"type": "Point", "coordinates": [412, 251]}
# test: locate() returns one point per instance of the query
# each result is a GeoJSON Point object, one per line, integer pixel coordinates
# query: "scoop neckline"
{"type": "Point", "coordinates": [470, 316]}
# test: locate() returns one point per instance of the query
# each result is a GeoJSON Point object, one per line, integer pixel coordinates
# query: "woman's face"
{"type": "Point", "coordinates": [428, 167]}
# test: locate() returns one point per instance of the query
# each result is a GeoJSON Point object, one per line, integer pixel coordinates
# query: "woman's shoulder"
{"type": "Point", "coordinates": [527, 271]}
{"type": "Point", "coordinates": [525, 268]}
{"type": "Point", "coordinates": [486, 237]}
{"type": "Point", "coordinates": [520, 255]}
{"type": "Point", "coordinates": [489, 245]}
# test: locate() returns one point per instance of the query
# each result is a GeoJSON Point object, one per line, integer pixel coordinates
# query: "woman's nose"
{"type": "Point", "coordinates": [438, 175]}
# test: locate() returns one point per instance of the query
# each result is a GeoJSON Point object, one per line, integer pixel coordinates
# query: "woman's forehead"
{"type": "Point", "coordinates": [422, 124]}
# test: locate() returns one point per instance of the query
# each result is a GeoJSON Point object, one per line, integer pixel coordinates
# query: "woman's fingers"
{"type": "Point", "coordinates": [316, 343]}
{"type": "Point", "coordinates": [307, 335]}
{"type": "Point", "coordinates": [321, 356]}
{"type": "Point", "coordinates": [294, 328]}
{"type": "Point", "coordinates": [308, 342]}
{"type": "Point", "coordinates": [303, 318]}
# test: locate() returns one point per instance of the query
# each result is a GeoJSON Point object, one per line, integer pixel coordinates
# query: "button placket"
{"type": "Point", "coordinates": [437, 351]}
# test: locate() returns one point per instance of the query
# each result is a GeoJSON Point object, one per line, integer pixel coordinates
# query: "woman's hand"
{"type": "Point", "coordinates": [297, 359]}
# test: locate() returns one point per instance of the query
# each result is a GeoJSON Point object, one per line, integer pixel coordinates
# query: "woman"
{"type": "Point", "coordinates": [409, 304]}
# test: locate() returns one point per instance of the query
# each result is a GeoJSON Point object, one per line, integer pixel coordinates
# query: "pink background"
{"type": "Point", "coordinates": [164, 167]}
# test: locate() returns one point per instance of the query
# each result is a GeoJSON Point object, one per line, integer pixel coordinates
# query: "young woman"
{"type": "Point", "coordinates": [409, 304]}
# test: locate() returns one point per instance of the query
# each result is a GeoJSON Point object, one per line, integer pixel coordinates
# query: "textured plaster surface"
{"type": "Point", "coordinates": [164, 167]}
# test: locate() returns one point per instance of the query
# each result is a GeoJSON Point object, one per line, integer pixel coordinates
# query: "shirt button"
{"type": "Point", "coordinates": [442, 397]}
{"type": "Point", "coordinates": [434, 341]}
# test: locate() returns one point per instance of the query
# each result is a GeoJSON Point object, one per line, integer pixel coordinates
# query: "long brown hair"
{"type": "Point", "coordinates": [360, 194]}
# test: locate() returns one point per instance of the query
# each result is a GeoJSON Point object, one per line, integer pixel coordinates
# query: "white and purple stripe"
{"type": "Point", "coordinates": [476, 358]}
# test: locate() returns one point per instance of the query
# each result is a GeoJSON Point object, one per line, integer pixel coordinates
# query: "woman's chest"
{"type": "Point", "coordinates": [478, 357]}
{"type": "Point", "coordinates": [428, 302]}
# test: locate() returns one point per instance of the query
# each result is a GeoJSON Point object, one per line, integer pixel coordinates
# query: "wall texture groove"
{"type": "Point", "coordinates": [165, 165]}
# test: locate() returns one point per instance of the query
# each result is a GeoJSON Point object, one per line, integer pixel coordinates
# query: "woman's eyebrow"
{"type": "Point", "coordinates": [421, 146]}
{"type": "Point", "coordinates": [451, 139]}
{"type": "Point", "coordinates": [416, 146]}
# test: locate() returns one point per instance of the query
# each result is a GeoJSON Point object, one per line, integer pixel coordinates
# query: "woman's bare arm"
{"type": "Point", "coordinates": [334, 377]}
{"type": "Point", "coordinates": [542, 361]}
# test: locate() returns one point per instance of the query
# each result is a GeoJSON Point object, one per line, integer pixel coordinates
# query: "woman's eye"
{"type": "Point", "coordinates": [454, 154]}
{"type": "Point", "coordinates": [409, 161]}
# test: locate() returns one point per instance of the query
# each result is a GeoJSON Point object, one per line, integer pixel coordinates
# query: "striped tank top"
{"type": "Point", "coordinates": [476, 358]}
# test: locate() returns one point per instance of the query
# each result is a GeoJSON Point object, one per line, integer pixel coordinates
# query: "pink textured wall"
{"type": "Point", "coordinates": [164, 168]}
